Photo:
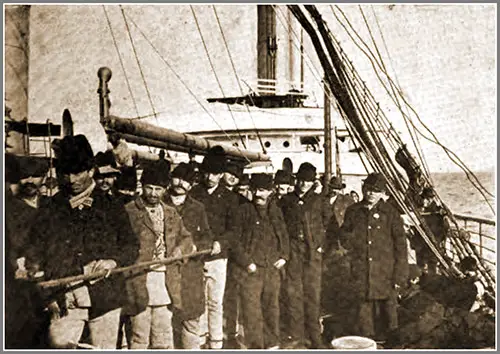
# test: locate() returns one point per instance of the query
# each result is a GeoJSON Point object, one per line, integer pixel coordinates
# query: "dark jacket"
{"type": "Point", "coordinates": [305, 216]}
{"type": "Point", "coordinates": [335, 214]}
{"type": "Point", "coordinates": [175, 236]}
{"type": "Point", "coordinates": [64, 240]}
{"type": "Point", "coordinates": [220, 207]}
{"type": "Point", "coordinates": [250, 236]}
{"type": "Point", "coordinates": [377, 249]}
{"type": "Point", "coordinates": [194, 218]}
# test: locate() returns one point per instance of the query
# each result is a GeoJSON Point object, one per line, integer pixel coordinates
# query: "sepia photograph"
{"type": "Point", "coordinates": [247, 176]}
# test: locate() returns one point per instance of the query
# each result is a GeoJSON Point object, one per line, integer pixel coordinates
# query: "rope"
{"type": "Point", "coordinates": [238, 80]}
{"type": "Point", "coordinates": [169, 66]}
{"type": "Point", "coordinates": [121, 60]}
{"type": "Point", "coordinates": [453, 157]}
{"type": "Point", "coordinates": [215, 74]}
{"type": "Point", "coordinates": [138, 63]}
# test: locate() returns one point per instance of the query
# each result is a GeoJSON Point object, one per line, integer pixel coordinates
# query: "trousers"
{"type": "Point", "coordinates": [215, 284]}
{"type": "Point", "coordinates": [65, 332]}
{"type": "Point", "coordinates": [152, 328]}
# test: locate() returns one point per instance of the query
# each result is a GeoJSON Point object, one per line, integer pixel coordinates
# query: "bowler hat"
{"type": "Point", "coordinates": [261, 180]}
{"type": "Point", "coordinates": [428, 192]}
{"type": "Point", "coordinates": [127, 180]}
{"type": "Point", "coordinates": [375, 182]}
{"type": "Point", "coordinates": [74, 154]}
{"type": "Point", "coordinates": [306, 172]}
{"type": "Point", "coordinates": [244, 180]}
{"type": "Point", "coordinates": [336, 183]}
{"type": "Point", "coordinates": [185, 172]}
{"type": "Point", "coordinates": [106, 163]}
{"type": "Point", "coordinates": [283, 177]}
{"type": "Point", "coordinates": [215, 161]}
{"type": "Point", "coordinates": [236, 169]}
{"type": "Point", "coordinates": [156, 173]}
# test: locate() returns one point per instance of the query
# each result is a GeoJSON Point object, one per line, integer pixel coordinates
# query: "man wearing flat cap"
{"type": "Point", "coordinates": [195, 219]}
{"type": "Point", "coordinates": [106, 172]}
{"type": "Point", "coordinates": [77, 233]}
{"type": "Point", "coordinates": [220, 205]}
{"type": "Point", "coordinates": [375, 240]}
{"type": "Point", "coordinates": [154, 296]}
{"type": "Point", "coordinates": [304, 215]}
{"type": "Point", "coordinates": [260, 251]}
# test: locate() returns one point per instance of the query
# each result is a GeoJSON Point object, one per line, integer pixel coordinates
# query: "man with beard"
{"type": "Point", "coordinates": [260, 250]}
{"type": "Point", "coordinates": [106, 172]}
{"type": "Point", "coordinates": [78, 233]}
{"type": "Point", "coordinates": [220, 204]}
{"type": "Point", "coordinates": [194, 217]}
{"type": "Point", "coordinates": [375, 240]}
{"type": "Point", "coordinates": [154, 296]}
{"type": "Point", "coordinates": [303, 212]}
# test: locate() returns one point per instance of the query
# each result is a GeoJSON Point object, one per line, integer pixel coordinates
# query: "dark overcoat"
{"type": "Point", "coordinates": [175, 236]}
{"type": "Point", "coordinates": [306, 214]}
{"type": "Point", "coordinates": [194, 217]}
{"type": "Point", "coordinates": [64, 239]}
{"type": "Point", "coordinates": [248, 239]}
{"type": "Point", "coordinates": [220, 207]}
{"type": "Point", "coordinates": [377, 248]}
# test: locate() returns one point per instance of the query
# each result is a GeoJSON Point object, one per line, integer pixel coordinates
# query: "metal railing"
{"type": "Point", "coordinates": [481, 234]}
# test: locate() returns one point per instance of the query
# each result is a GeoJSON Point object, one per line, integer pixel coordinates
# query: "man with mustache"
{"type": "Point", "coordinates": [194, 217]}
{"type": "Point", "coordinates": [303, 211]}
{"type": "Point", "coordinates": [376, 244]}
{"type": "Point", "coordinates": [260, 251]}
{"type": "Point", "coordinates": [78, 233]}
{"type": "Point", "coordinates": [154, 296]}
{"type": "Point", "coordinates": [220, 205]}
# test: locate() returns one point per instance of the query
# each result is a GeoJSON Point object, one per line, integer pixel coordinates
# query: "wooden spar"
{"type": "Point", "coordinates": [86, 277]}
{"type": "Point", "coordinates": [132, 129]}
{"type": "Point", "coordinates": [155, 143]}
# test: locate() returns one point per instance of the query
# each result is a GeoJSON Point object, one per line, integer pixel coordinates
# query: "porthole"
{"type": "Point", "coordinates": [286, 143]}
{"type": "Point", "coordinates": [267, 144]}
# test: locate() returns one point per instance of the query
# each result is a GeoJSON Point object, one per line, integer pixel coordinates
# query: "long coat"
{"type": "Point", "coordinates": [64, 239]}
{"type": "Point", "coordinates": [194, 217]}
{"type": "Point", "coordinates": [220, 207]}
{"type": "Point", "coordinates": [377, 248]}
{"type": "Point", "coordinates": [306, 214]}
{"type": "Point", "coordinates": [335, 215]}
{"type": "Point", "coordinates": [248, 238]}
{"type": "Point", "coordinates": [175, 236]}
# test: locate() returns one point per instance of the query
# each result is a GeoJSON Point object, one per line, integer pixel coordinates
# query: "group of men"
{"type": "Point", "coordinates": [254, 250]}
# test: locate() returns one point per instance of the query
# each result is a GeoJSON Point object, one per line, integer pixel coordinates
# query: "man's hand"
{"type": "Point", "coordinates": [104, 264]}
{"type": "Point", "coordinates": [279, 263]}
{"type": "Point", "coordinates": [216, 249]}
{"type": "Point", "coordinates": [252, 268]}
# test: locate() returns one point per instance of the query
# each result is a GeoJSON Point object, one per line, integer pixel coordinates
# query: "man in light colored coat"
{"type": "Point", "coordinates": [153, 295]}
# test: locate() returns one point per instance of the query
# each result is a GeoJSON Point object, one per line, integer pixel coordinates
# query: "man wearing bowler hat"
{"type": "Point", "coordinates": [376, 244]}
{"type": "Point", "coordinates": [260, 251]}
{"type": "Point", "coordinates": [78, 233]}
{"type": "Point", "coordinates": [336, 205]}
{"type": "Point", "coordinates": [304, 215]}
{"type": "Point", "coordinates": [106, 173]}
{"type": "Point", "coordinates": [194, 218]}
{"type": "Point", "coordinates": [154, 296]}
{"type": "Point", "coordinates": [220, 205]}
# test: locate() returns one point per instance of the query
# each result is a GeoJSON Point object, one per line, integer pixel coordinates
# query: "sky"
{"type": "Point", "coordinates": [443, 56]}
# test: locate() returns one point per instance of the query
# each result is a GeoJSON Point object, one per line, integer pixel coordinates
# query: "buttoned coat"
{"type": "Point", "coordinates": [307, 213]}
{"type": "Point", "coordinates": [175, 236]}
{"type": "Point", "coordinates": [248, 238]}
{"type": "Point", "coordinates": [377, 248]}
{"type": "Point", "coordinates": [194, 218]}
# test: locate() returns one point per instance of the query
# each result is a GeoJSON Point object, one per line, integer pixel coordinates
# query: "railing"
{"type": "Point", "coordinates": [482, 235]}
{"type": "Point", "coordinates": [281, 87]}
